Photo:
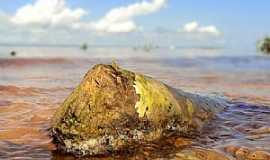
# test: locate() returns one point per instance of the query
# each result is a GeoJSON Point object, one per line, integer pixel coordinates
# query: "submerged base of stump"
{"type": "Point", "coordinates": [112, 109]}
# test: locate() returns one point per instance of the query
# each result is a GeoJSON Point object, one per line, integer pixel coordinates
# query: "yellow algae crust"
{"type": "Point", "coordinates": [156, 102]}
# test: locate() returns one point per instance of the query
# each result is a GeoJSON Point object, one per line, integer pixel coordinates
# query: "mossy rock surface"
{"type": "Point", "coordinates": [112, 109]}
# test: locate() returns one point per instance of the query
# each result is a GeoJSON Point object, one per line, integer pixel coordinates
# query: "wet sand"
{"type": "Point", "coordinates": [32, 89]}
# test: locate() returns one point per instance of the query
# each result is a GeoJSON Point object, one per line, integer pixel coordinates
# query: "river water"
{"type": "Point", "coordinates": [35, 82]}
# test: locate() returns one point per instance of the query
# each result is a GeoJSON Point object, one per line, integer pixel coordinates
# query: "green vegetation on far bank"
{"type": "Point", "coordinates": [84, 47]}
{"type": "Point", "coordinates": [264, 45]}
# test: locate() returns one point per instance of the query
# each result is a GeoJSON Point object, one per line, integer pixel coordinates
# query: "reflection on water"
{"type": "Point", "coordinates": [31, 90]}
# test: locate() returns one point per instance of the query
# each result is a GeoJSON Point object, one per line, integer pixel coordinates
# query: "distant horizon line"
{"type": "Point", "coordinates": [110, 45]}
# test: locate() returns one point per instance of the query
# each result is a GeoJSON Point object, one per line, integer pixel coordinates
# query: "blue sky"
{"type": "Point", "coordinates": [233, 22]}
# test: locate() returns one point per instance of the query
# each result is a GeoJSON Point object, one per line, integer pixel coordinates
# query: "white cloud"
{"type": "Point", "coordinates": [54, 22]}
{"type": "Point", "coordinates": [121, 19]}
{"type": "Point", "coordinates": [191, 27]}
{"type": "Point", "coordinates": [55, 13]}
{"type": "Point", "coordinates": [125, 13]}
{"type": "Point", "coordinates": [209, 29]}
{"type": "Point", "coordinates": [194, 27]}
{"type": "Point", "coordinates": [47, 13]}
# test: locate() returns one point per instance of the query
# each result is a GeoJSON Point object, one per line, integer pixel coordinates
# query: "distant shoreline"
{"type": "Point", "coordinates": [103, 46]}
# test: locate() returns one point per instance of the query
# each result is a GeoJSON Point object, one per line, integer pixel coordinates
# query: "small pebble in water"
{"type": "Point", "coordinates": [244, 153]}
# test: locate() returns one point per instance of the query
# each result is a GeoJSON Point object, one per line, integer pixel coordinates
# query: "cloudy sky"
{"type": "Point", "coordinates": [134, 22]}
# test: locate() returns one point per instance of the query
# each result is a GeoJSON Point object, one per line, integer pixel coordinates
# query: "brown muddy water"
{"type": "Point", "coordinates": [32, 89]}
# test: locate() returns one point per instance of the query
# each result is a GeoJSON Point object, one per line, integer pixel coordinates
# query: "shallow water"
{"type": "Point", "coordinates": [32, 88]}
